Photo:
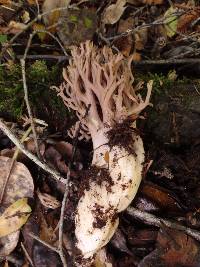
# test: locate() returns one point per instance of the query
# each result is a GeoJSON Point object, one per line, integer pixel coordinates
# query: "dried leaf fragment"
{"type": "Point", "coordinates": [19, 186]}
{"type": "Point", "coordinates": [20, 183]}
{"type": "Point", "coordinates": [113, 12]}
{"type": "Point", "coordinates": [125, 43]}
{"type": "Point", "coordinates": [48, 201]}
{"type": "Point", "coordinates": [14, 217]}
{"type": "Point", "coordinates": [8, 243]}
{"type": "Point", "coordinates": [76, 26]}
{"type": "Point", "coordinates": [49, 5]}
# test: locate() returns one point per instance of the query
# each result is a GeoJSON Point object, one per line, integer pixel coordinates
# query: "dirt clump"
{"type": "Point", "coordinates": [121, 135]}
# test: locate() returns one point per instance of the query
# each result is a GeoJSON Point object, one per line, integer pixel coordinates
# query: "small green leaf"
{"type": "Point", "coordinates": [88, 22]}
{"type": "Point", "coordinates": [3, 38]}
{"type": "Point", "coordinates": [170, 22]}
{"type": "Point", "coordinates": [73, 18]}
{"type": "Point", "coordinates": [14, 217]}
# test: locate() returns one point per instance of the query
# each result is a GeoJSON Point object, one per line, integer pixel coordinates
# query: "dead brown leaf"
{"type": "Point", "coordinates": [136, 56]}
{"type": "Point", "coordinates": [20, 185]}
{"type": "Point", "coordinates": [179, 248]}
{"type": "Point", "coordinates": [5, 2]}
{"type": "Point", "coordinates": [141, 37]}
{"type": "Point", "coordinates": [12, 28]}
{"type": "Point", "coordinates": [184, 22]}
{"type": "Point", "coordinates": [30, 146]}
{"type": "Point", "coordinates": [174, 248]}
{"type": "Point", "coordinates": [118, 241]}
{"type": "Point", "coordinates": [160, 196]}
{"type": "Point", "coordinates": [8, 243]}
{"type": "Point", "coordinates": [64, 148]}
{"type": "Point", "coordinates": [125, 43]}
{"type": "Point", "coordinates": [54, 158]}
{"type": "Point", "coordinates": [114, 12]}
{"type": "Point", "coordinates": [9, 152]}
{"type": "Point", "coordinates": [48, 201]}
{"type": "Point", "coordinates": [47, 233]}
{"type": "Point", "coordinates": [48, 6]}
{"type": "Point", "coordinates": [139, 238]}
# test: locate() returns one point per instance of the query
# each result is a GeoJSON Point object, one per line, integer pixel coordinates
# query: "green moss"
{"type": "Point", "coordinates": [73, 18]}
{"type": "Point", "coordinates": [3, 38]}
{"type": "Point", "coordinates": [11, 94]}
{"type": "Point", "coordinates": [39, 79]}
{"type": "Point", "coordinates": [162, 83]}
{"type": "Point", "coordinates": [88, 22]}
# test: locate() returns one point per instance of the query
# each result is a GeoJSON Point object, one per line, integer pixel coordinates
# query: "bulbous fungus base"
{"type": "Point", "coordinates": [101, 82]}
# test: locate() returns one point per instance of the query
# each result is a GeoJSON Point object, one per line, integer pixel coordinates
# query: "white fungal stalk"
{"type": "Point", "coordinates": [100, 81]}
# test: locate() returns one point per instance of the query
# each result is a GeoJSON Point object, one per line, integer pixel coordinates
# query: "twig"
{"type": "Point", "coordinates": [45, 57]}
{"type": "Point", "coordinates": [142, 62]}
{"type": "Point", "coordinates": [23, 67]}
{"type": "Point", "coordinates": [160, 21]}
{"type": "Point", "coordinates": [28, 106]}
{"type": "Point", "coordinates": [61, 222]}
{"type": "Point", "coordinates": [168, 61]}
{"type": "Point", "coordinates": [37, 18]}
{"type": "Point", "coordinates": [27, 255]}
{"type": "Point", "coordinates": [43, 242]}
{"type": "Point", "coordinates": [12, 165]}
{"type": "Point", "coordinates": [28, 26]}
{"type": "Point", "coordinates": [32, 157]}
{"type": "Point", "coordinates": [60, 246]}
{"type": "Point", "coordinates": [54, 37]}
{"type": "Point", "coordinates": [159, 222]}
{"type": "Point", "coordinates": [38, 7]}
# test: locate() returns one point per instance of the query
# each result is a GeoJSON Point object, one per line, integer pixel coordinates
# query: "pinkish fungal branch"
{"type": "Point", "coordinates": [97, 77]}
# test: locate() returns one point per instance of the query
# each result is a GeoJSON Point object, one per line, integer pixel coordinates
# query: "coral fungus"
{"type": "Point", "coordinates": [102, 82]}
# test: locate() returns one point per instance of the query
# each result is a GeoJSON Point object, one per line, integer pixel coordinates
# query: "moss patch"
{"type": "Point", "coordinates": [39, 79]}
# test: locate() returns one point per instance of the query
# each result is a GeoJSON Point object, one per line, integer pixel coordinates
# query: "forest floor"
{"type": "Point", "coordinates": [162, 225]}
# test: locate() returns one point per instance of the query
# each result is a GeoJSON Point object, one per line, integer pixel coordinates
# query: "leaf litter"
{"type": "Point", "coordinates": [145, 30]}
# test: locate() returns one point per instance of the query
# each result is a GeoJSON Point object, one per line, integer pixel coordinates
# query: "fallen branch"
{"type": "Point", "coordinates": [44, 243]}
{"type": "Point", "coordinates": [28, 106]}
{"type": "Point", "coordinates": [27, 255]}
{"type": "Point", "coordinates": [31, 156]}
{"type": "Point", "coordinates": [137, 63]}
{"type": "Point", "coordinates": [159, 222]}
{"type": "Point", "coordinates": [168, 61]}
{"type": "Point", "coordinates": [45, 57]}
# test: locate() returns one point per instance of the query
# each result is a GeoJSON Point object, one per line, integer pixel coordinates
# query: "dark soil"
{"type": "Point", "coordinates": [121, 135]}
